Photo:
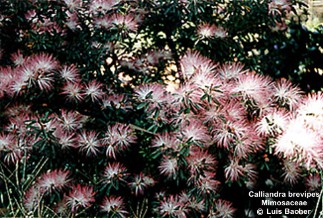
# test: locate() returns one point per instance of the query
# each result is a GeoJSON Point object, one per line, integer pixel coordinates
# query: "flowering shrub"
{"type": "Point", "coordinates": [148, 108]}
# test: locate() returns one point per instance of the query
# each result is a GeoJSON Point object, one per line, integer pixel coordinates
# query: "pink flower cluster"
{"type": "Point", "coordinates": [215, 109]}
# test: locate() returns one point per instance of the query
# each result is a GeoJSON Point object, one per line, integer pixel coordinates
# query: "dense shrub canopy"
{"type": "Point", "coordinates": [156, 108]}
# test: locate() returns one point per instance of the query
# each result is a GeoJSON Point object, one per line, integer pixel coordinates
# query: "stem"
{"type": "Point", "coordinates": [141, 129]}
{"type": "Point", "coordinates": [318, 201]}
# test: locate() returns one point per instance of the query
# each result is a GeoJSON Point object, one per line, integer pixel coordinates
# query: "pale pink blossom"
{"type": "Point", "coordinates": [231, 71]}
{"type": "Point", "coordinates": [65, 139]}
{"type": "Point", "coordinates": [300, 143]}
{"type": "Point", "coordinates": [114, 172]}
{"type": "Point", "coordinates": [89, 142]}
{"type": "Point", "coordinates": [17, 58]}
{"type": "Point", "coordinates": [69, 120]}
{"type": "Point", "coordinates": [114, 206]}
{"type": "Point", "coordinates": [272, 123]}
{"type": "Point", "coordinates": [172, 207]}
{"type": "Point", "coordinates": [80, 196]}
{"type": "Point", "coordinates": [70, 74]}
{"type": "Point", "coordinates": [153, 93]}
{"type": "Point", "coordinates": [72, 21]}
{"type": "Point", "coordinates": [117, 101]}
{"type": "Point", "coordinates": [234, 171]}
{"type": "Point", "coordinates": [73, 4]}
{"type": "Point", "coordinates": [117, 138]}
{"type": "Point", "coordinates": [166, 141]}
{"type": "Point", "coordinates": [277, 7]}
{"type": "Point", "coordinates": [286, 94]}
{"type": "Point", "coordinates": [313, 182]}
{"type": "Point", "coordinates": [193, 62]}
{"type": "Point", "coordinates": [254, 87]}
{"type": "Point", "coordinates": [102, 6]}
{"type": "Point", "coordinates": [311, 112]}
{"type": "Point", "coordinates": [53, 180]}
{"type": "Point", "coordinates": [220, 32]}
{"type": "Point", "coordinates": [140, 183]}
{"type": "Point", "coordinates": [32, 198]}
{"type": "Point", "coordinates": [292, 171]}
{"type": "Point", "coordinates": [200, 161]}
{"type": "Point", "coordinates": [168, 166]}
{"type": "Point", "coordinates": [207, 183]}
{"type": "Point", "coordinates": [93, 89]}
{"type": "Point", "coordinates": [126, 23]}
{"type": "Point", "coordinates": [73, 92]}
{"type": "Point", "coordinates": [195, 132]}
{"type": "Point", "coordinates": [206, 31]}
{"type": "Point", "coordinates": [224, 209]}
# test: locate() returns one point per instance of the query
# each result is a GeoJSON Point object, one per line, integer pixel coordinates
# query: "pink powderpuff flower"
{"type": "Point", "coordinates": [272, 123]}
{"type": "Point", "coordinates": [166, 141]}
{"type": "Point", "coordinates": [43, 62]}
{"type": "Point", "coordinates": [89, 142]}
{"type": "Point", "coordinates": [206, 183]}
{"type": "Point", "coordinates": [224, 209]}
{"type": "Point", "coordinates": [277, 7]}
{"type": "Point", "coordinates": [191, 202]}
{"type": "Point", "coordinates": [65, 139]}
{"type": "Point", "coordinates": [140, 183]}
{"type": "Point", "coordinates": [5, 141]}
{"type": "Point", "coordinates": [17, 58]}
{"type": "Point", "coordinates": [93, 90]}
{"type": "Point", "coordinates": [195, 132]}
{"type": "Point", "coordinates": [69, 120]}
{"type": "Point", "coordinates": [231, 71]}
{"type": "Point", "coordinates": [311, 112]}
{"type": "Point", "coordinates": [114, 206]}
{"type": "Point", "coordinates": [286, 94]}
{"type": "Point", "coordinates": [313, 182]}
{"type": "Point", "coordinates": [61, 208]}
{"type": "Point", "coordinates": [102, 6]}
{"type": "Point", "coordinates": [103, 22]}
{"type": "Point", "coordinates": [118, 137]}
{"type": "Point", "coordinates": [126, 23]}
{"type": "Point", "coordinates": [172, 207]}
{"type": "Point", "coordinates": [220, 32]}
{"type": "Point", "coordinates": [153, 93]}
{"type": "Point", "coordinates": [73, 92]}
{"type": "Point", "coordinates": [254, 87]}
{"type": "Point", "coordinates": [243, 147]}
{"type": "Point", "coordinates": [43, 80]}
{"type": "Point", "coordinates": [72, 21]}
{"type": "Point", "coordinates": [234, 171]}
{"type": "Point", "coordinates": [193, 62]}
{"type": "Point", "coordinates": [70, 74]}
{"type": "Point", "coordinates": [53, 180]}
{"type": "Point", "coordinates": [207, 82]}
{"type": "Point", "coordinates": [168, 166]}
{"type": "Point", "coordinates": [300, 143]}
{"type": "Point", "coordinates": [16, 150]}
{"type": "Point", "coordinates": [80, 196]}
{"type": "Point", "coordinates": [73, 5]}
{"type": "Point", "coordinates": [18, 86]}
{"type": "Point", "coordinates": [200, 161]}
{"type": "Point", "coordinates": [32, 198]}
{"type": "Point", "coordinates": [251, 172]}
{"type": "Point", "coordinates": [292, 171]}
{"type": "Point", "coordinates": [206, 31]}
{"type": "Point", "coordinates": [226, 134]}
{"type": "Point", "coordinates": [114, 172]}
